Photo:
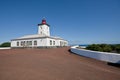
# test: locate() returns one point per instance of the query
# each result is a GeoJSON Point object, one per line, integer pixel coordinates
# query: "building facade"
{"type": "Point", "coordinates": [42, 39]}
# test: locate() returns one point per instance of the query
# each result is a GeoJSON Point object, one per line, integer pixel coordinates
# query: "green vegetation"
{"type": "Point", "coordinates": [105, 47]}
{"type": "Point", "coordinates": [5, 44]}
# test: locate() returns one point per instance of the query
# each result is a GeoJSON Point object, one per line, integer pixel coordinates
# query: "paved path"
{"type": "Point", "coordinates": [52, 64]}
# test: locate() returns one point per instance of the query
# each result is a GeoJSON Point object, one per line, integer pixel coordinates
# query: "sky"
{"type": "Point", "coordinates": [78, 21]}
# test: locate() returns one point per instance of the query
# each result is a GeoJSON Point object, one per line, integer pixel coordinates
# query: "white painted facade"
{"type": "Point", "coordinates": [42, 39]}
{"type": "Point", "coordinates": [43, 30]}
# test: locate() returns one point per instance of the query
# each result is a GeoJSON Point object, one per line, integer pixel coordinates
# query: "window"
{"type": "Point", "coordinates": [35, 42]}
{"type": "Point", "coordinates": [30, 42]}
{"type": "Point", "coordinates": [53, 42]}
{"type": "Point", "coordinates": [50, 42]}
{"type": "Point", "coordinates": [21, 43]}
{"type": "Point", "coordinates": [27, 43]}
{"type": "Point", "coordinates": [17, 43]}
{"type": "Point", "coordinates": [60, 43]}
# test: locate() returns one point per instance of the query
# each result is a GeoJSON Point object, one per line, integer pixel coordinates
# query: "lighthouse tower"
{"type": "Point", "coordinates": [43, 28]}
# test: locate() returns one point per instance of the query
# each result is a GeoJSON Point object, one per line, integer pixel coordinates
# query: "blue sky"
{"type": "Point", "coordinates": [78, 21]}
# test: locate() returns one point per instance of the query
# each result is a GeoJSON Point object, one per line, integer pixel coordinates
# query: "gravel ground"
{"type": "Point", "coordinates": [53, 64]}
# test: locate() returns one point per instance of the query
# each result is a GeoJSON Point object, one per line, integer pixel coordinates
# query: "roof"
{"type": "Point", "coordinates": [36, 36]}
{"type": "Point", "coordinates": [44, 24]}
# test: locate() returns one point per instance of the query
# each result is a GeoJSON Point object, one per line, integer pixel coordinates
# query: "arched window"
{"type": "Point", "coordinates": [21, 43]}
{"type": "Point", "coordinates": [35, 42]}
{"type": "Point", "coordinates": [17, 43]}
{"type": "Point", "coordinates": [53, 42]}
{"type": "Point", "coordinates": [27, 43]}
{"type": "Point", "coordinates": [50, 42]}
{"type": "Point", "coordinates": [60, 43]}
{"type": "Point", "coordinates": [30, 42]}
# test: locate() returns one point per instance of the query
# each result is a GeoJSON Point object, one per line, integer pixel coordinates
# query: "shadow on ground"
{"type": "Point", "coordinates": [114, 64]}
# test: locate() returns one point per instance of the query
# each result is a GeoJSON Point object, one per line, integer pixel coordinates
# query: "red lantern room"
{"type": "Point", "coordinates": [43, 21]}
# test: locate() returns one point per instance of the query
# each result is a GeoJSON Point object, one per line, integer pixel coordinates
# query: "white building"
{"type": "Point", "coordinates": [42, 39]}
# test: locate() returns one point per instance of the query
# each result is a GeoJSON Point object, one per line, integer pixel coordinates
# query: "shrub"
{"type": "Point", "coordinates": [100, 47]}
{"type": "Point", "coordinates": [107, 48]}
{"type": "Point", "coordinates": [117, 48]}
{"type": "Point", "coordinates": [94, 47]}
{"type": "Point", "coordinates": [5, 44]}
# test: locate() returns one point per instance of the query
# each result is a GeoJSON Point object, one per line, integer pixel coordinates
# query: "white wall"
{"type": "Point", "coordinates": [13, 43]}
{"type": "Point", "coordinates": [57, 42]}
{"type": "Point", "coordinates": [40, 42]}
{"type": "Point", "coordinates": [48, 42]}
{"type": "Point", "coordinates": [1, 48]}
{"type": "Point", "coordinates": [44, 30]}
{"type": "Point", "coordinates": [43, 42]}
{"type": "Point", "coordinates": [103, 56]}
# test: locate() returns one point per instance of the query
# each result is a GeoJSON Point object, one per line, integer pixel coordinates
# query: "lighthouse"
{"type": "Point", "coordinates": [44, 28]}
{"type": "Point", "coordinates": [41, 39]}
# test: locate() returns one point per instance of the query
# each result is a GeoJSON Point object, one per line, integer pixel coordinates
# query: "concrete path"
{"type": "Point", "coordinates": [52, 64]}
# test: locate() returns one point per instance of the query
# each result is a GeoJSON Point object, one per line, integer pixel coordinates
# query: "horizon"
{"type": "Point", "coordinates": [79, 22]}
